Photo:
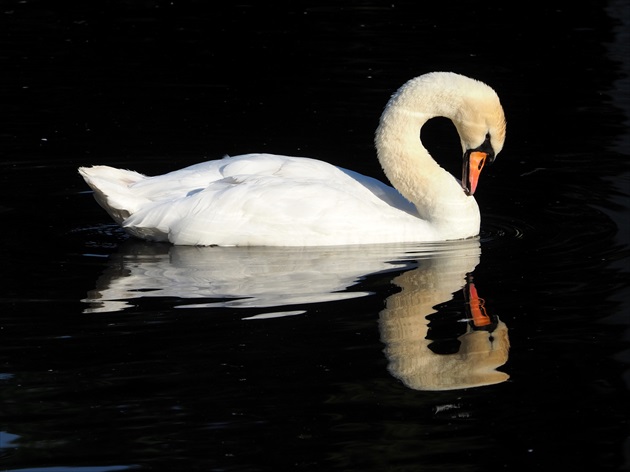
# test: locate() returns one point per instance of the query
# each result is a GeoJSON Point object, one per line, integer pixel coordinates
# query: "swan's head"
{"type": "Point", "coordinates": [472, 106]}
{"type": "Point", "coordinates": [480, 122]}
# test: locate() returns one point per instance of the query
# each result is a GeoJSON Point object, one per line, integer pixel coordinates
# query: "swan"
{"type": "Point", "coordinates": [273, 200]}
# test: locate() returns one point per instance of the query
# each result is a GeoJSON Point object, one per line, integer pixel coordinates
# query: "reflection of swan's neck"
{"type": "Point", "coordinates": [438, 196]}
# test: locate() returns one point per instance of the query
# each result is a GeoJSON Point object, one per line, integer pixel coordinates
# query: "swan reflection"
{"type": "Point", "coordinates": [243, 277]}
{"type": "Point", "coordinates": [280, 281]}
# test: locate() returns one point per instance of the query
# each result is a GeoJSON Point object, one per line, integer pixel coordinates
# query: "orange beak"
{"type": "Point", "coordinates": [473, 163]}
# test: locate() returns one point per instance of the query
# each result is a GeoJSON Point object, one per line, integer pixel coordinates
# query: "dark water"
{"type": "Point", "coordinates": [121, 355]}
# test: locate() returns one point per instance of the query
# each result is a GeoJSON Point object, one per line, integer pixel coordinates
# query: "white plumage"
{"type": "Point", "coordinates": [271, 200]}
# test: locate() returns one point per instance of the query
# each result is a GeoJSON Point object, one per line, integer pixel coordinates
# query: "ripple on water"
{"type": "Point", "coordinates": [499, 228]}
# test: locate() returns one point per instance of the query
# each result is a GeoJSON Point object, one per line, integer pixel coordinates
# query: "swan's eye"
{"type": "Point", "coordinates": [488, 142]}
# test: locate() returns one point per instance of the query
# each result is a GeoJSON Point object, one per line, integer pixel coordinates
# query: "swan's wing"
{"type": "Point", "coordinates": [192, 179]}
{"type": "Point", "coordinates": [268, 200]}
{"type": "Point", "coordinates": [123, 193]}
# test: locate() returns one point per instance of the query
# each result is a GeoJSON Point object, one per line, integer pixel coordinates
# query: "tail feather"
{"type": "Point", "coordinates": [112, 190]}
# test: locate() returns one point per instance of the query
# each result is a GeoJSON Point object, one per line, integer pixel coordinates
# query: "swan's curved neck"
{"type": "Point", "coordinates": [437, 195]}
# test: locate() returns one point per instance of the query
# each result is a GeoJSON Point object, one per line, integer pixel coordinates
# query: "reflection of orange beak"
{"type": "Point", "coordinates": [473, 163]}
{"type": "Point", "coordinates": [477, 307]}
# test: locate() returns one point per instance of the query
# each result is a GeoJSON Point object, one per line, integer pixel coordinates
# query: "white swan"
{"type": "Point", "coordinates": [270, 200]}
